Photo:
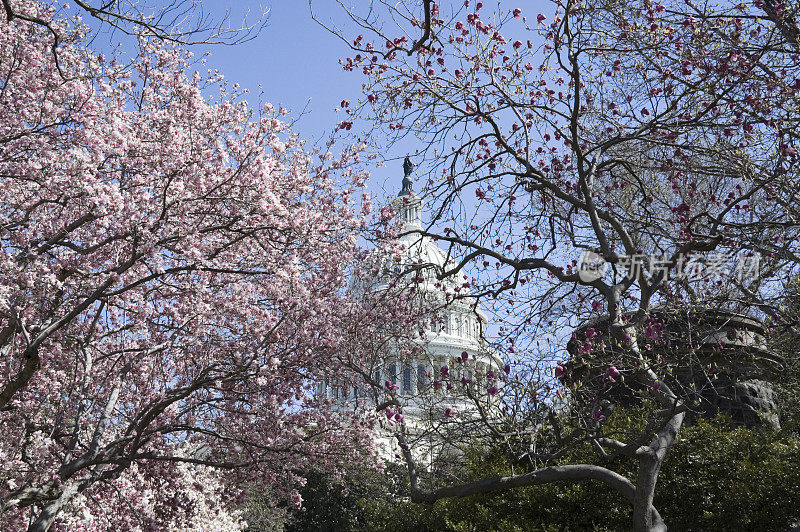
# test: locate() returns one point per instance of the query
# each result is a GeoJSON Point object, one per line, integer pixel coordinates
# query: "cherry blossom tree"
{"type": "Point", "coordinates": [171, 272]}
{"type": "Point", "coordinates": [178, 22]}
{"type": "Point", "coordinates": [655, 139]}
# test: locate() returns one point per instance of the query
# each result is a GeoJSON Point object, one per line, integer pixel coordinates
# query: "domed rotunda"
{"type": "Point", "coordinates": [457, 335]}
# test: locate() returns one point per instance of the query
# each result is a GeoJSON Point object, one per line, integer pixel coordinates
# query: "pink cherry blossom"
{"type": "Point", "coordinates": [172, 272]}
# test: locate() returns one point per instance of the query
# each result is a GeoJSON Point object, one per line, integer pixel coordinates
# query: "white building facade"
{"type": "Point", "coordinates": [458, 334]}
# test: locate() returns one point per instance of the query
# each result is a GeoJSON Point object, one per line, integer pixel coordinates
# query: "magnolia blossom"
{"type": "Point", "coordinates": [172, 272]}
{"type": "Point", "coordinates": [643, 131]}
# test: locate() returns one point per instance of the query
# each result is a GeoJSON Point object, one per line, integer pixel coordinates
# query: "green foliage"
{"type": "Point", "coordinates": [786, 342]}
{"type": "Point", "coordinates": [722, 479]}
{"type": "Point", "coordinates": [715, 478]}
{"type": "Point", "coordinates": [261, 512]}
{"type": "Point", "coordinates": [364, 499]}
{"type": "Point", "coordinates": [335, 506]}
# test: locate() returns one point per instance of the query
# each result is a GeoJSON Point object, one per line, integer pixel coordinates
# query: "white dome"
{"type": "Point", "coordinates": [461, 327]}
{"type": "Point", "coordinates": [419, 252]}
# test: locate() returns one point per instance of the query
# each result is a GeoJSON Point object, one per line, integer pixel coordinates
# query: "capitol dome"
{"type": "Point", "coordinates": [419, 252]}
{"type": "Point", "coordinates": [459, 330]}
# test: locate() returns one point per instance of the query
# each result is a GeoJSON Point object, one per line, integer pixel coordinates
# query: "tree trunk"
{"type": "Point", "coordinates": [48, 515]}
{"type": "Point", "coordinates": [645, 517]}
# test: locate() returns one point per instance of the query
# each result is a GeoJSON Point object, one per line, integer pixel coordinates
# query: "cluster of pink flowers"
{"type": "Point", "coordinates": [171, 277]}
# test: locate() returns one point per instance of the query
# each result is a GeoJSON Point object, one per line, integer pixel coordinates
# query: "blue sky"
{"type": "Point", "coordinates": [296, 63]}
{"type": "Point", "coordinates": [293, 59]}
